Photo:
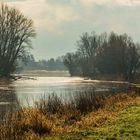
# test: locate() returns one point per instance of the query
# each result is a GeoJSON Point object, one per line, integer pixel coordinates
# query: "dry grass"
{"type": "Point", "coordinates": [53, 116]}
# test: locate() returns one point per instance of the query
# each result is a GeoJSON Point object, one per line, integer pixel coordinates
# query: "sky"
{"type": "Point", "coordinates": [59, 23]}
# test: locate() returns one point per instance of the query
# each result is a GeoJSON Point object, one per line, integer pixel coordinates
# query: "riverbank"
{"type": "Point", "coordinates": [33, 73]}
{"type": "Point", "coordinates": [121, 125]}
{"type": "Point", "coordinates": [81, 118]}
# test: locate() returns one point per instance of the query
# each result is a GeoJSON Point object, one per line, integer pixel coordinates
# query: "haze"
{"type": "Point", "coordinates": [59, 23]}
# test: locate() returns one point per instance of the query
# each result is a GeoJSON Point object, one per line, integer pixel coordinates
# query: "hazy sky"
{"type": "Point", "coordinates": [59, 23]}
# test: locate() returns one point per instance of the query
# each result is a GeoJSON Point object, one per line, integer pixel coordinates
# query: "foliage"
{"type": "Point", "coordinates": [71, 62]}
{"type": "Point", "coordinates": [105, 54]}
{"type": "Point", "coordinates": [29, 63]}
{"type": "Point", "coordinates": [120, 56]}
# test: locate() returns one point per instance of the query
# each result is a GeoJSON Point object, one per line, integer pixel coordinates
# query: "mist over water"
{"type": "Point", "coordinates": [28, 90]}
{"type": "Point", "coordinates": [33, 89]}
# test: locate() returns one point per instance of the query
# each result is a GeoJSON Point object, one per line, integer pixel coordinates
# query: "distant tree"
{"type": "Point", "coordinates": [59, 64]}
{"type": "Point", "coordinates": [109, 55]}
{"type": "Point", "coordinates": [55, 64]}
{"type": "Point", "coordinates": [71, 62]}
{"type": "Point", "coordinates": [29, 63]}
{"type": "Point", "coordinates": [16, 32]}
{"type": "Point", "coordinates": [112, 54]}
{"type": "Point", "coordinates": [119, 55]}
{"type": "Point", "coordinates": [88, 46]}
{"type": "Point", "coordinates": [132, 61]}
{"type": "Point", "coordinates": [26, 63]}
{"type": "Point", "coordinates": [51, 64]}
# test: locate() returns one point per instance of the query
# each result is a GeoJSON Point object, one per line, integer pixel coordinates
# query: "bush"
{"type": "Point", "coordinates": [53, 104]}
{"type": "Point", "coordinates": [88, 101]}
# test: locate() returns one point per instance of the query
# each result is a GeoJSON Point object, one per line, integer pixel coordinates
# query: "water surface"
{"type": "Point", "coordinates": [34, 88]}
{"type": "Point", "coordinates": [37, 87]}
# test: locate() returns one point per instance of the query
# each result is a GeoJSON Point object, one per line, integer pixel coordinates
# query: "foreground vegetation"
{"type": "Point", "coordinates": [85, 116]}
{"type": "Point", "coordinates": [124, 126]}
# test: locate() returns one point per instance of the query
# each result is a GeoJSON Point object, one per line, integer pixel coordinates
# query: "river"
{"type": "Point", "coordinates": [27, 90]}
{"type": "Point", "coordinates": [37, 87]}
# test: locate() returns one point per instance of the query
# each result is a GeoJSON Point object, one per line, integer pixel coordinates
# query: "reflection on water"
{"type": "Point", "coordinates": [34, 88]}
{"type": "Point", "coordinates": [8, 101]}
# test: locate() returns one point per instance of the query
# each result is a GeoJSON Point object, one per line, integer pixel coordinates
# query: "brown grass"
{"type": "Point", "coordinates": [53, 116]}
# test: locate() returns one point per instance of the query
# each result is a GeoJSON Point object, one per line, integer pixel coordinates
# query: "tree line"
{"type": "Point", "coordinates": [29, 63]}
{"type": "Point", "coordinates": [110, 54]}
{"type": "Point", "coordinates": [16, 33]}
{"type": "Point", "coordinates": [104, 54]}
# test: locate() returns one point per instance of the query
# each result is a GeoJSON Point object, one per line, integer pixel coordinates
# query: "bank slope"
{"type": "Point", "coordinates": [126, 126]}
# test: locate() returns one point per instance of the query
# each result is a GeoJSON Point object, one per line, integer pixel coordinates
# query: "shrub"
{"type": "Point", "coordinates": [88, 101]}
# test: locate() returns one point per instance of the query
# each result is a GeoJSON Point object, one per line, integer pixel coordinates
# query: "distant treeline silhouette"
{"type": "Point", "coordinates": [29, 63]}
{"type": "Point", "coordinates": [104, 54]}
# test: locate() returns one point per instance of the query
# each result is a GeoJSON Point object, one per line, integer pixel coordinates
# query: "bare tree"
{"type": "Point", "coordinates": [87, 50]}
{"type": "Point", "coordinates": [119, 56]}
{"type": "Point", "coordinates": [112, 54]}
{"type": "Point", "coordinates": [16, 32]}
{"type": "Point", "coordinates": [70, 60]}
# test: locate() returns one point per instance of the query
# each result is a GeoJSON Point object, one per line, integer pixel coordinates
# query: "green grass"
{"type": "Point", "coordinates": [126, 126]}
